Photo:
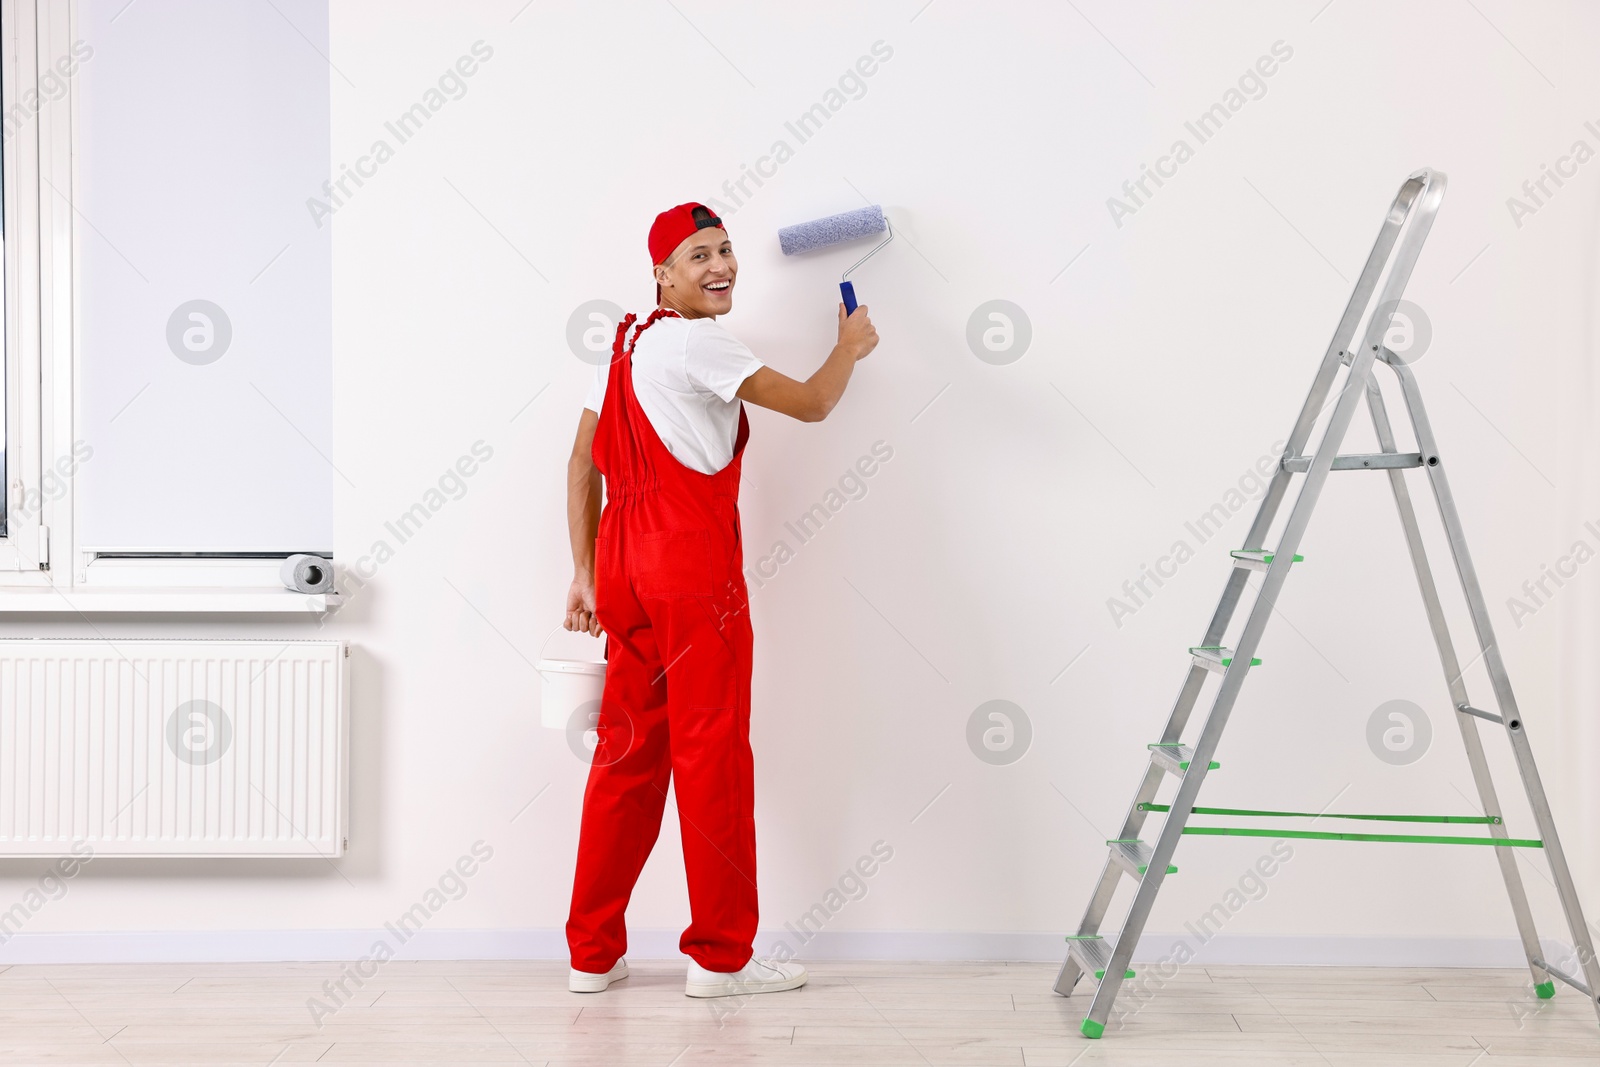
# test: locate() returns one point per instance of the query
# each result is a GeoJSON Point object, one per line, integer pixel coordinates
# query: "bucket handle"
{"type": "Point", "coordinates": [553, 630]}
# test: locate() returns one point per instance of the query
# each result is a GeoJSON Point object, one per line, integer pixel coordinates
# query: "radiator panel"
{"type": "Point", "coordinates": [174, 748]}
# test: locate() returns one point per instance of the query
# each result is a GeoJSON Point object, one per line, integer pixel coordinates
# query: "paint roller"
{"type": "Point", "coordinates": [862, 222]}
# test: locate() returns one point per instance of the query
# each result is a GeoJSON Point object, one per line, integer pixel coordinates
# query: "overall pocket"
{"type": "Point", "coordinates": [673, 563]}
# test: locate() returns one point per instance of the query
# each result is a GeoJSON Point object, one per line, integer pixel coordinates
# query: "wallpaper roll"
{"type": "Point", "coordinates": [307, 574]}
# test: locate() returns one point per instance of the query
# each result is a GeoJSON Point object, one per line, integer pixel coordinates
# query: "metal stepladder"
{"type": "Point", "coordinates": [1106, 958]}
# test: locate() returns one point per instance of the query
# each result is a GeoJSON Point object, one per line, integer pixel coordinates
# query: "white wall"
{"type": "Point", "coordinates": [1164, 362]}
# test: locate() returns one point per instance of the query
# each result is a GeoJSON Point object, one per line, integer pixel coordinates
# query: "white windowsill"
{"type": "Point", "coordinates": [90, 601]}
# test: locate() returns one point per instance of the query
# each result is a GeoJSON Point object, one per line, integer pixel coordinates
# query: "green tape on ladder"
{"type": "Point", "coordinates": [1254, 661]}
{"type": "Point", "coordinates": [1490, 819]}
{"type": "Point", "coordinates": [1143, 867]}
{"type": "Point", "coordinates": [1237, 831]}
{"type": "Point", "coordinates": [1183, 765]}
{"type": "Point", "coordinates": [1266, 557]}
{"type": "Point", "coordinates": [1102, 974]}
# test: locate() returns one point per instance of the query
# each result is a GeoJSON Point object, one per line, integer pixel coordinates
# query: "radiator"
{"type": "Point", "coordinates": [174, 748]}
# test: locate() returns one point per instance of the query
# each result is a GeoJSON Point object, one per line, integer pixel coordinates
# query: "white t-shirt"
{"type": "Point", "coordinates": [686, 373]}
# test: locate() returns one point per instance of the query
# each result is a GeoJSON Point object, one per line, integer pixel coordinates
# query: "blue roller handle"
{"type": "Point", "coordinates": [848, 291]}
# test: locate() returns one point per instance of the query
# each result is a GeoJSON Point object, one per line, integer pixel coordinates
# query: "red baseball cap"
{"type": "Point", "coordinates": [673, 226]}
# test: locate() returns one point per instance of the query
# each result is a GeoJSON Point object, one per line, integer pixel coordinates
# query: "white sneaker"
{"type": "Point", "coordinates": [589, 982]}
{"type": "Point", "coordinates": [757, 976]}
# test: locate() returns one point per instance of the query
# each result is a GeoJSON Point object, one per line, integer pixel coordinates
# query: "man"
{"type": "Point", "coordinates": [660, 572]}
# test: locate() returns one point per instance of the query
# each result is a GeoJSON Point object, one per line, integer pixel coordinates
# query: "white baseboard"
{"type": "Point", "coordinates": [220, 946]}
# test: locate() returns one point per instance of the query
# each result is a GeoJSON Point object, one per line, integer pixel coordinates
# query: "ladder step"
{"type": "Point", "coordinates": [1215, 658]}
{"type": "Point", "coordinates": [1134, 857]}
{"type": "Point", "coordinates": [1375, 461]}
{"type": "Point", "coordinates": [1174, 758]}
{"type": "Point", "coordinates": [1468, 709]}
{"type": "Point", "coordinates": [1093, 954]}
{"type": "Point", "coordinates": [1258, 559]}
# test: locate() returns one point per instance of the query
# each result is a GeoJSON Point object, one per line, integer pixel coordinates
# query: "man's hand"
{"type": "Point", "coordinates": [580, 606]}
{"type": "Point", "coordinates": [856, 331]}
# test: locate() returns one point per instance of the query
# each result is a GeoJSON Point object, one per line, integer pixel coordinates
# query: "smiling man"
{"type": "Point", "coordinates": [660, 571]}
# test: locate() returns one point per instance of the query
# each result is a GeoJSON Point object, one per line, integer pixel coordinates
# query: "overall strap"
{"type": "Point", "coordinates": [623, 434]}
{"type": "Point", "coordinates": [622, 332]}
{"type": "Point", "coordinates": [658, 313]}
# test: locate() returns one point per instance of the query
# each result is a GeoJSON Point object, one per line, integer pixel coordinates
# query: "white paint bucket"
{"type": "Point", "coordinates": [567, 685]}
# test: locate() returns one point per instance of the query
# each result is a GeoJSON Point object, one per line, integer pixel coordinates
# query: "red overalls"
{"type": "Point", "coordinates": [670, 593]}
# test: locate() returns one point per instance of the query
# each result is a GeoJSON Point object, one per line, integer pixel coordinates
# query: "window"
{"type": "Point", "coordinates": [168, 315]}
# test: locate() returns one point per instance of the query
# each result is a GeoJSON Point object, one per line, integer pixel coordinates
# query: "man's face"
{"type": "Point", "coordinates": [699, 275]}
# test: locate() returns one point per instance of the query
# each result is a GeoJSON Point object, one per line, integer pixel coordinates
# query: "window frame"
{"type": "Point", "coordinates": [24, 550]}
{"type": "Point", "coordinates": [42, 334]}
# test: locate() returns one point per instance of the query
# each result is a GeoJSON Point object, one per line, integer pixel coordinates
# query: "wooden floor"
{"type": "Point", "coordinates": [850, 1013]}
